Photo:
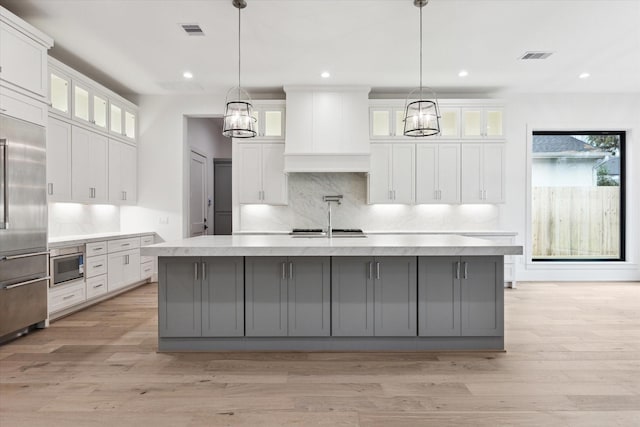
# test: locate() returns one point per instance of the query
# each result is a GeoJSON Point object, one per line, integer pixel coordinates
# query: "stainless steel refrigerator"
{"type": "Point", "coordinates": [23, 227]}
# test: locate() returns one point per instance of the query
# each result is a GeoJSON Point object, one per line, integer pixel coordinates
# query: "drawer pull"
{"type": "Point", "coordinates": [125, 244]}
{"type": "Point", "coordinates": [98, 286]}
{"type": "Point", "coordinates": [97, 249]}
{"type": "Point", "coordinates": [97, 266]}
{"type": "Point", "coordinates": [69, 297]}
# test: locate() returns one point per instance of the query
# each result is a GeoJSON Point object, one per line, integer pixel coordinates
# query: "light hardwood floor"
{"type": "Point", "coordinates": [573, 358]}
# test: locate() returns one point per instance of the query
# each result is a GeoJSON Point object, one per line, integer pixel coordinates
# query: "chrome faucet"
{"type": "Point", "coordinates": [329, 199]}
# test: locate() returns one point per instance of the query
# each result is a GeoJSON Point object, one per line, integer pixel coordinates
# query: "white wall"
{"type": "Point", "coordinates": [204, 136]}
{"type": "Point", "coordinates": [526, 113]}
{"type": "Point", "coordinates": [163, 150]}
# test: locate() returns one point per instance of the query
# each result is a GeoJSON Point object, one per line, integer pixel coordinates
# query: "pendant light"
{"type": "Point", "coordinates": [238, 115]}
{"type": "Point", "coordinates": [422, 116]}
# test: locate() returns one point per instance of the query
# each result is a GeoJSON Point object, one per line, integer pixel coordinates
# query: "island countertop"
{"type": "Point", "coordinates": [372, 245]}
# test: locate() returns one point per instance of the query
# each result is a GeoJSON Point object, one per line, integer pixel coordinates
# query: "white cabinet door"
{"type": "Point", "coordinates": [482, 122]}
{"type": "Point", "coordinates": [89, 158]}
{"type": "Point", "coordinates": [116, 118]}
{"type": "Point", "coordinates": [115, 271]}
{"type": "Point", "coordinates": [23, 61]}
{"type": "Point", "coordinates": [449, 173]}
{"type": "Point", "coordinates": [493, 176]}
{"type": "Point", "coordinates": [250, 173]}
{"type": "Point", "coordinates": [472, 189]}
{"type": "Point", "coordinates": [380, 174]}
{"type": "Point", "coordinates": [132, 267]}
{"type": "Point", "coordinates": [274, 180]}
{"type": "Point", "coordinates": [130, 124]}
{"type": "Point", "coordinates": [427, 173]}
{"type": "Point", "coordinates": [60, 92]}
{"type": "Point", "coordinates": [483, 173]}
{"type": "Point", "coordinates": [81, 103]}
{"type": "Point", "coordinates": [58, 161]}
{"type": "Point", "coordinates": [122, 173]}
{"type": "Point", "coordinates": [403, 173]}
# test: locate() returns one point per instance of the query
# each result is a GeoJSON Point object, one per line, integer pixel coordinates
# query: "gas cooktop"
{"type": "Point", "coordinates": [336, 232]}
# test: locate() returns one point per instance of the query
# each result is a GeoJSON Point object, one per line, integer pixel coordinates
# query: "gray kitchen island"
{"type": "Point", "coordinates": [382, 292]}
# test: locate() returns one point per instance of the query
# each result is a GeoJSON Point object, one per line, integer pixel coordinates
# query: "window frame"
{"type": "Point", "coordinates": [622, 134]}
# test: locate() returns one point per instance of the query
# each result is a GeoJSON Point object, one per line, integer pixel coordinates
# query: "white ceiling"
{"type": "Point", "coordinates": [137, 46]}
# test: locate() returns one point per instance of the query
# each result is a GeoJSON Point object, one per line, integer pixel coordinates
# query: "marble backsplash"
{"type": "Point", "coordinates": [70, 219]}
{"type": "Point", "coordinates": [307, 210]}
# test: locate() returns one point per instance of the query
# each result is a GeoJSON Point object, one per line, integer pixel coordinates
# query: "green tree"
{"type": "Point", "coordinates": [610, 143]}
{"type": "Point", "coordinates": [603, 179]}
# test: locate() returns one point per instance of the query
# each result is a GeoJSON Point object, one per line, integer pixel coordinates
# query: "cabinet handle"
{"type": "Point", "coordinates": [50, 188]}
{"type": "Point", "coordinates": [435, 194]}
{"type": "Point", "coordinates": [68, 297]}
{"type": "Point", "coordinates": [485, 195]}
{"type": "Point", "coordinates": [97, 249]}
{"type": "Point", "coordinates": [394, 194]}
{"type": "Point", "coordinates": [3, 109]}
{"type": "Point", "coordinates": [98, 286]}
{"type": "Point", "coordinates": [439, 194]}
{"type": "Point", "coordinates": [97, 266]}
{"type": "Point", "coordinates": [195, 269]}
{"type": "Point", "coordinates": [465, 270]}
{"type": "Point", "coordinates": [123, 196]}
{"type": "Point", "coordinates": [377, 270]}
{"type": "Point", "coordinates": [204, 271]}
{"type": "Point", "coordinates": [389, 196]}
{"type": "Point", "coordinates": [458, 270]}
{"type": "Point", "coordinates": [290, 270]}
{"type": "Point", "coordinates": [284, 271]}
{"type": "Point", "coordinates": [125, 244]}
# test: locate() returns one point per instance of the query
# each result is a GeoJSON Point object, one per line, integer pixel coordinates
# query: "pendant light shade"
{"type": "Point", "coordinates": [238, 113]}
{"type": "Point", "coordinates": [421, 116]}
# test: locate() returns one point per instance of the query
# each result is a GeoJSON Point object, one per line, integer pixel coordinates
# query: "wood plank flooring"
{"type": "Point", "coordinates": [573, 359]}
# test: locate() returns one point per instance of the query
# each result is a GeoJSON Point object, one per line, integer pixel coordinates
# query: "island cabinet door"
{"type": "Point", "coordinates": [439, 296]}
{"type": "Point", "coordinates": [395, 296]}
{"type": "Point", "coordinates": [222, 296]}
{"type": "Point", "coordinates": [266, 296]}
{"type": "Point", "coordinates": [482, 289]}
{"type": "Point", "coordinates": [309, 296]}
{"type": "Point", "coordinates": [352, 296]}
{"type": "Point", "coordinates": [179, 297]}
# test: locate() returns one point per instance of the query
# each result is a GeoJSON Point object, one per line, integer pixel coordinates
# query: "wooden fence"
{"type": "Point", "coordinates": [576, 222]}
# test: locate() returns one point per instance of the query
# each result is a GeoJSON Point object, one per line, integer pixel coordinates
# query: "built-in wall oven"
{"type": "Point", "coordinates": [66, 265]}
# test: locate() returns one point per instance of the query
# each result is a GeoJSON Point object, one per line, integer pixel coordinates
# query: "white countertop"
{"type": "Point", "coordinates": [460, 232]}
{"type": "Point", "coordinates": [81, 239]}
{"type": "Point", "coordinates": [372, 245]}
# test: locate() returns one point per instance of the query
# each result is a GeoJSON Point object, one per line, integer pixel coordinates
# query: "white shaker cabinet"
{"type": "Point", "coordinates": [122, 173]}
{"type": "Point", "coordinates": [392, 174]}
{"type": "Point", "coordinates": [123, 269]}
{"type": "Point", "coordinates": [482, 122]}
{"type": "Point", "coordinates": [122, 121]}
{"type": "Point", "coordinates": [58, 161]}
{"type": "Point", "coordinates": [261, 177]}
{"type": "Point", "coordinates": [59, 92]}
{"type": "Point", "coordinates": [89, 160]}
{"type": "Point", "coordinates": [438, 173]}
{"type": "Point", "coordinates": [483, 173]}
{"type": "Point", "coordinates": [269, 120]}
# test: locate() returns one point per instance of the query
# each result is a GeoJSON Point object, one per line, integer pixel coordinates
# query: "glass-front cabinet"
{"type": "Point", "coordinates": [269, 121]}
{"type": "Point", "coordinates": [90, 106]}
{"type": "Point", "coordinates": [130, 124]}
{"type": "Point", "coordinates": [485, 122]}
{"type": "Point", "coordinates": [116, 114]}
{"type": "Point", "coordinates": [60, 92]}
{"type": "Point", "coordinates": [100, 113]}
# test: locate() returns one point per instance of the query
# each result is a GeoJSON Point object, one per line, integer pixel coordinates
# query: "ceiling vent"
{"type": "Point", "coordinates": [536, 55]}
{"type": "Point", "coordinates": [192, 29]}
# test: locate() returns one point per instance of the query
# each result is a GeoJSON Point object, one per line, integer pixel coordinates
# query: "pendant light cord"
{"type": "Point", "coordinates": [421, 6]}
{"type": "Point", "coordinates": [239, 52]}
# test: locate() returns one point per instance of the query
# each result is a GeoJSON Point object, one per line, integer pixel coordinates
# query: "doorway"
{"type": "Point", "coordinates": [197, 195]}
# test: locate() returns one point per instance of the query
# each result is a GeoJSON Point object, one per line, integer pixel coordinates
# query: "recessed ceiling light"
{"type": "Point", "coordinates": [463, 73]}
{"type": "Point", "coordinates": [325, 75]}
{"type": "Point", "coordinates": [584, 76]}
{"type": "Point", "coordinates": [187, 75]}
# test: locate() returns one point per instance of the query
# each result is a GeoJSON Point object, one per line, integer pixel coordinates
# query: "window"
{"type": "Point", "coordinates": [578, 189]}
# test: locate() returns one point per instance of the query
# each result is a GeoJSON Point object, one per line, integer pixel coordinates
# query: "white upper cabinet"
{"type": "Point", "coordinates": [483, 173]}
{"type": "Point", "coordinates": [269, 120]}
{"type": "Point", "coordinates": [122, 121]}
{"type": "Point", "coordinates": [89, 160]}
{"type": "Point", "coordinates": [482, 123]}
{"type": "Point", "coordinates": [59, 92]}
{"type": "Point", "coordinates": [392, 174]}
{"type": "Point", "coordinates": [438, 173]}
{"type": "Point", "coordinates": [89, 106]}
{"type": "Point", "coordinates": [261, 177]}
{"type": "Point", "coordinates": [58, 161]}
{"type": "Point", "coordinates": [122, 173]}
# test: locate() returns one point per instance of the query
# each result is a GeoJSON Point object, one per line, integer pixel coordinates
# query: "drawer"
{"type": "Point", "coordinates": [96, 248]}
{"type": "Point", "coordinates": [146, 270]}
{"type": "Point", "coordinates": [123, 244]}
{"type": "Point", "coordinates": [147, 240]}
{"type": "Point", "coordinates": [22, 107]}
{"type": "Point", "coordinates": [95, 266]}
{"type": "Point", "coordinates": [66, 296]}
{"type": "Point", "coordinates": [96, 286]}
{"type": "Point", "coordinates": [146, 258]}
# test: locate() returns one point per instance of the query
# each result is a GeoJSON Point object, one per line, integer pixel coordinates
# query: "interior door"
{"type": "Point", "coordinates": [222, 196]}
{"type": "Point", "coordinates": [197, 195]}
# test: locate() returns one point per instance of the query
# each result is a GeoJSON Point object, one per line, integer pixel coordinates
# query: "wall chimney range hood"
{"type": "Point", "coordinates": [327, 129]}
